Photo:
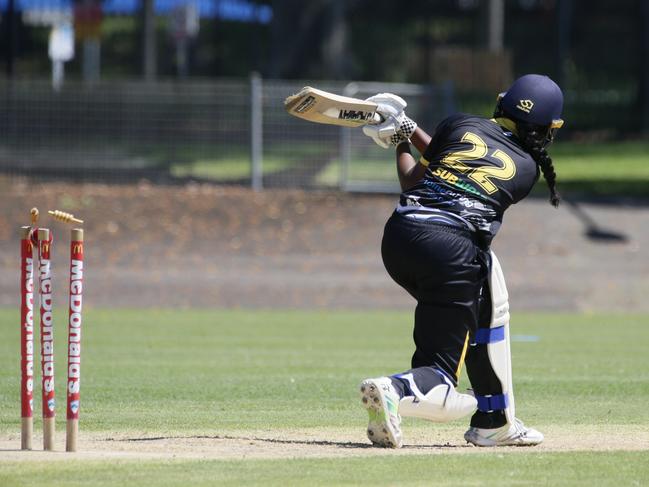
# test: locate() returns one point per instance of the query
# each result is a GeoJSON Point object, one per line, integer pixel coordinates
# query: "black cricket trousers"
{"type": "Point", "coordinates": [445, 269]}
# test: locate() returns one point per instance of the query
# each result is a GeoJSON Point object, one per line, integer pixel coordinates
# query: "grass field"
{"type": "Point", "coordinates": [284, 383]}
{"type": "Point", "coordinates": [595, 169]}
{"type": "Point", "coordinates": [227, 164]}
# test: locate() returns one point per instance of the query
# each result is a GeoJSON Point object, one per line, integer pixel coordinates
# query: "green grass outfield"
{"type": "Point", "coordinates": [264, 376]}
{"type": "Point", "coordinates": [597, 169]}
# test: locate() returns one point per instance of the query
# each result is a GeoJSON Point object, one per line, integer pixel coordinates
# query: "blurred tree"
{"type": "Point", "coordinates": [87, 30]}
{"type": "Point", "coordinates": [597, 49]}
{"type": "Point", "coordinates": [10, 36]}
{"type": "Point", "coordinates": [232, 48]}
{"type": "Point", "coordinates": [496, 26]}
{"type": "Point", "coordinates": [643, 65]}
{"type": "Point", "coordinates": [309, 39]}
{"type": "Point", "coordinates": [565, 10]}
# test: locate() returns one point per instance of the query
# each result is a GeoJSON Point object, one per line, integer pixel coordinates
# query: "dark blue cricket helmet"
{"type": "Point", "coordinates": [533, 99]}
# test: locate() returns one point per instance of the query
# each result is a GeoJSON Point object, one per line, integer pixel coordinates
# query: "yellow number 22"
{"type": "Point", "coordinates": [481, 175]}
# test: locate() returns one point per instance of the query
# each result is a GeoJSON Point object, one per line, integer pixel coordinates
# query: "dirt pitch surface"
{"type": "Point", "coordinates": [312, 443]}
{"type": "Point", "coordinates": [213, 246]}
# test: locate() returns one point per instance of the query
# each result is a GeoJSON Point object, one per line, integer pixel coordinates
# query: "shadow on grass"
{"type": "Point", "coordinates": [574, 196]}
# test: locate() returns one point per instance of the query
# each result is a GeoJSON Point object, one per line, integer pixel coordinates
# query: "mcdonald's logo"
{"type": "Point", "coordinates": [77, 248]}
{"type": "Point", "coordinates": [46, 247]}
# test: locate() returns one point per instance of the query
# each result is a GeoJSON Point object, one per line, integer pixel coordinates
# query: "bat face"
{"type": "Point", "coordinates": [304, 105]}
{"type": "Point", "coordinates": [323, 107]}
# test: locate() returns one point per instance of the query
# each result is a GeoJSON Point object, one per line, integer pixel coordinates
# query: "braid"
{"type": "Point", "coordinates": [545, 163]}
{"type": "Point", "coordinates": [535, 146]}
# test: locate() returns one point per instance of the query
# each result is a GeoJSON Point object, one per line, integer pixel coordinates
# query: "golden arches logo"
{"type": "Point", "coordinates": [45, 247]}
{"type": "Point", "coordinates": [77, 248]}
{"type": "Point", "coordinates": [525, 105]}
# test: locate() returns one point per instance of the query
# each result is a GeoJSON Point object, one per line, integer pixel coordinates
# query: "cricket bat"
{"type": "Point", "coordinates": [323, 107]}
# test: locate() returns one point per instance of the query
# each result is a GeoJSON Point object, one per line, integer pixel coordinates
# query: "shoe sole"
{"type": "Point", "coordinates": [486, 442]}
{"type": "Point", "coordinates": [380, 430]}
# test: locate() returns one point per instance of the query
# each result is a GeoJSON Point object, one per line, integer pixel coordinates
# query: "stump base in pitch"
{"type": "Point", "coordinates": [72, 434]}
{"type": "Point", "coordinates": [48, 434]}
{"type": "Point", "coordinates": [26, 433]}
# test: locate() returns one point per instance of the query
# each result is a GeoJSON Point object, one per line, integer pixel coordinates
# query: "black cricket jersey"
{"type": "Point", "coordinates": [476, 170]}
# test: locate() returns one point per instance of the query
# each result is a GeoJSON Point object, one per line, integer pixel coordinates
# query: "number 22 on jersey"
{"type": "Point", "coordinates": [481, 175]}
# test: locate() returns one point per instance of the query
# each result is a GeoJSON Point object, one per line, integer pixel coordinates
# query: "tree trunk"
{"type": "Point", "coordinates": [643, 85]}
{"type": "Point", "coordinates": [149, 60]}
{"type": "Point", "coordinates": [11, 37]}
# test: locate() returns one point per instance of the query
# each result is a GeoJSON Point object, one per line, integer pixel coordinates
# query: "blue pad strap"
{"type": "Point", "coordinates": [490, 335]}
{"type": "Point", "coordinates": [492, 403]}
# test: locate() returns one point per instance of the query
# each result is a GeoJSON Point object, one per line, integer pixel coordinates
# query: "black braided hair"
{"type": "Point", "coordinates": [535, 142]}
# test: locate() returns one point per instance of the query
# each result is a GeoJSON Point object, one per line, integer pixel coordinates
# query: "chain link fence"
{"type": "Point", "coordinates": [225, 131]}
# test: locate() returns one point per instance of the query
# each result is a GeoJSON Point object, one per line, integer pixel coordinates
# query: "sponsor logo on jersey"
{"type": "Point", "coordinates": [525, 105]}
{"type": "Point", "coordinates": [451, 178]}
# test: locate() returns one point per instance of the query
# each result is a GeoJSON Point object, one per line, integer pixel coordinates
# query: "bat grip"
{"type": "Point", "coordinates": [377, 119]}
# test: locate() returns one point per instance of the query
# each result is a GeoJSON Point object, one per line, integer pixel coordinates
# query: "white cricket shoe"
{"type": "Point", "coordinates": [382, 403]}
{"type": "Point", "coordinates": [512, 434]}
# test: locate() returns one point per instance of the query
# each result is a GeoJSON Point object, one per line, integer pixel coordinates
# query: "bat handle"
{"type": "Point", "coordinates": [377, 119]}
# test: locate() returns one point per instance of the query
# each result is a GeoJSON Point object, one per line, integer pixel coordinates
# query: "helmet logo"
{"type": "Point", "coordinates": [525, 105]}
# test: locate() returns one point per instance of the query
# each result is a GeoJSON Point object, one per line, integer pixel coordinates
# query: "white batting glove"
{"type": "Point", "coordinates": [388, 104]}
{"type": "Point", "coordinates": [396, 126]}
{"type": "Point", "coordinates": [384, 134]}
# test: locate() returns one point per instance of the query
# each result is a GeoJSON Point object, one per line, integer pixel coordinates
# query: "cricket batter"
{"type": "Point", "coordinates": [436, 245]}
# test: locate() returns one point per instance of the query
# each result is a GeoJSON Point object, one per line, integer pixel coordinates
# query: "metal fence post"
{"type": "Point", "coordinates": [256, 132]}
{"type": "Point", "coordinates": [346, 144]}
{"type": "Point", "coordinates": [345, 157]}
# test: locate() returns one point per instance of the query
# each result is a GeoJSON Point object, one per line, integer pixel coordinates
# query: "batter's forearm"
{"type": "Point", "coordinates": [420, 140]}
{"type": "Point", "coordinates": [410, 171]}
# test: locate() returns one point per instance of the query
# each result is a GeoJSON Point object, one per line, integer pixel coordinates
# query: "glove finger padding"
{"type": "Point", "coordinates": [385, 134]}
{"type": "Point", "coordinates": [380, 142]}
{"type": "Point", "coordinates": [388, 104]}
